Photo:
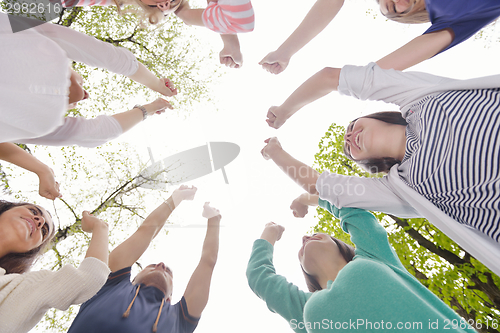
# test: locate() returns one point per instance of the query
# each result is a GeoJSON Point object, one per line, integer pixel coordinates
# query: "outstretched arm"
{"type": "Point", "coordinates": [320, 15]}
{"type": "Point", "coordinates": [128, 252]}
{"type": "Point", "coordinates": [48, 187]}
{"type": "Point", "coordinates": [317, 86]}
{"type": "Point", "coordinates": [98, 247]}
{"type": "Point", "coordinates": [230, 55]}
{"type": "Point", "coordinates": [130, 118]}
{"type": "Point", "coordinates": [302, 174]}
{"type": "Point", "coordinates": [97, 131]}
{"type": "Point", "coordinates": [145, 77]}
{"type": "Point", "coordinates": [419, 49]}
{"type": "Point", "coordinates": [198, 288]}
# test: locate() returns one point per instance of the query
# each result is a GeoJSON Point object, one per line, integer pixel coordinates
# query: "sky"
{"type": "Point", "coordinates": [258, 192]}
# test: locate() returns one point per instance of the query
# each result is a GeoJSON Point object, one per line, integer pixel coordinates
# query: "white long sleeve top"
{"type": "Point", "coordinates": [391, 194]}
{"type": "Point", "coordinates": [35, 83]}
{"type": "Point", "coordinates": [24, 298]}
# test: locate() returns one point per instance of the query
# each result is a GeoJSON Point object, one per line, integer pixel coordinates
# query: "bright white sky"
{"type": "Point", "coordinates": [258, 192]}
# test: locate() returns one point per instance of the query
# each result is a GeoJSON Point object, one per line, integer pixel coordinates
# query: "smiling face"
{"type": "Point", "coordinates": [319, 251]}
{"type": "Point", "coordinates": [399, 8]}
{"type": "Point", "coordinates": [24, 228]}
{"type": "Point", "coordinates": [76, 91]}
{"type": "Point", "coordinates": [165, 6]}
{"type": "Point", "coordinates": [156, 275]}
{"type": "Point", "coordinates": [368, 138]}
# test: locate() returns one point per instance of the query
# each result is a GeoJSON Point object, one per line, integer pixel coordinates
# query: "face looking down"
{"type": "Point", "coordinates": [391, 8]}
{"type": "Point", "coordinates": [156, 275]}
{"type": "Point", "coordinates": [165, 6]}
{"type": "Point", "coordinates": [318, 252]}
{"type": "Point", "coordinates": [367, 138]}
{"type": "Point", "coordinates": [25, 227]}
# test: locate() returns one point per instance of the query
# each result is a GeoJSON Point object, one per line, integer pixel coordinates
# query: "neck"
{"type": "Point", "coordinates": [4, 250]}
{"type": "Point", "coordinates": [398, 137]}
{"type": "Point", "coordinates": [329, 274]}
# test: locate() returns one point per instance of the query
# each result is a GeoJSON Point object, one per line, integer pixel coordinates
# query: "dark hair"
{"type": "Point", "coordinates": [421, 16]}
{"type": "Point", "coordinates": [347, 252]}
{"type": "Point", "coordinates": [384, 164]}
{"type": "Point", "coordinates": [21, 262]}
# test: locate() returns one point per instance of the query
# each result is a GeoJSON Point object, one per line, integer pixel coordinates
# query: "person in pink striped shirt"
{"type": "Point", "coordinates": [226, 17]}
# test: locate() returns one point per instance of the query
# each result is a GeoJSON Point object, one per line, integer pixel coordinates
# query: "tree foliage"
{"type": "Point", "coordinates": [456, 277]}
{"type": "Point", "coordinates": [105, 180]}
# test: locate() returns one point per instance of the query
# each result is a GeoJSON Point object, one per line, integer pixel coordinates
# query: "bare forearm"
{"type": "Point", "coordinates": [230, 40]}
{"type": "Point", "coordinates": [269, 236]}
{"type": "Point", "coordinates": [301, 173]}
{"type": "Point", "coordinates": [129, 119]}
{"type": "Point", "coordinates": [211, 244]}
{"type": "Point", "coordinates": [309, 199]}
{"type": "Point", "coordinates": [191, 16]}
{"type": "Point", "coordinates": [419, 49]}
{"type": "Point", "coordinates": [156, 220]}
{"type": "Point", "coordinates": [13, 154]}
{"type": "Point", "coordinates": [98, 247]}
{"type": "Point", "coordinates": [145, 77]}
{"type": "Point", "coordinates": [318, 17]}
{"type": "Point", "coordinates": [317, 86]}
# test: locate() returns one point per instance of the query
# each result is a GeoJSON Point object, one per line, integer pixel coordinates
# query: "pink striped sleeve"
{"type": "Point", "coordinates": [229, 16]}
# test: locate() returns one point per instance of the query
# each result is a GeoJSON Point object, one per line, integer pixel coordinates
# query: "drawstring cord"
{"type": "Point", "coordinates": [126, 314]}
{"type": "Point", "coordinates": [158, 317]}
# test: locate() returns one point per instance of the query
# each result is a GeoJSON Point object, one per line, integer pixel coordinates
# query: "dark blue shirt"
{"type": "Point", "coordinates": [104, 312]}
{"type": "Point", "coordinates": [464, 17]}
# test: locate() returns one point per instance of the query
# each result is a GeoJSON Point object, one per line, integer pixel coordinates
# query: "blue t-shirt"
{"type": "Point", "coordinates": [464, 17]}
{"type": "Point", "coordinates": [104, 311]}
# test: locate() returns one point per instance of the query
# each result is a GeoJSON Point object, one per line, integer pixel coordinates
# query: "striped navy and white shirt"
{"type": "Point", "coordinates": [452, 155]}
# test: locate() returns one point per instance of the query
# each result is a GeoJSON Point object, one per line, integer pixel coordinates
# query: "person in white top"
{"type": "Point", "coordinates": [38, 86]}
{"type": "Point", "coordinates": [26, 231]}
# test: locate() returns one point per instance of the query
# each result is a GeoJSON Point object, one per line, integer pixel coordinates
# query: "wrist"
{"type": "Point", "coordinates": [268, 236]}
{"type": "Point", "coordinates": [285, 52]}
{"type": "Point", "coordinates": [100, 228]}
{"type": "Point", "coordinates": [145, 112]}
{"type": "Point", "coordinates": [41, 169]}
{"type": "Point", "coordinates": [170, 203]}
{"type": "Point", "coordinates": [275, 152]}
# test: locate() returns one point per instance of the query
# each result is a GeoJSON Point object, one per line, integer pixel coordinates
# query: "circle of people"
{"type": "Point", "coordinates": [439, 155]}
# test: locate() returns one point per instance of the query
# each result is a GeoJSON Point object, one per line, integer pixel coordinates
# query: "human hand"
{"type": "Point", "coordinates": [299, 209]}
{"type": "Point", "coordinates": [274, 62]}
{"type": "Point", "coordinates": [166, 87]}
{"type": "Point", "coordinates": [158, 106]}
{"type": "Point", "coordinates": [276, 117]}
{"type": "Point", "coordinates": [272, 232]}
{"type": "Point", "coordinates": [183, 193]}
{"type": "Point", "coordinates": [90, 222]}
{"type": "Point", "coordinates": [231, 57]}
{"type": "Point", "coordinates": [48, 187]}
{"type": "Point", "coordinates": [273, 145]}
{"type": "Point", "coordinates": [210, 212]}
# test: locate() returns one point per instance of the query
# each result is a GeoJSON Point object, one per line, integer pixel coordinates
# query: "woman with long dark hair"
{"type": "Point", "coordinates": [26, 232]}
{"type": "Point", "coordinates": [440, 153]}
{"type": "Point", "coordinates": [362, 289]}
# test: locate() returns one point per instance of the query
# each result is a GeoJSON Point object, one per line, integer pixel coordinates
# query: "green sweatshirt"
{"type": "Point", "coordinates": [374, 292]}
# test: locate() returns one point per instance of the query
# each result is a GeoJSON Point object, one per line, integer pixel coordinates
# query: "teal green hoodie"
{"type": "Point", "coordinates": [372, 293]}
